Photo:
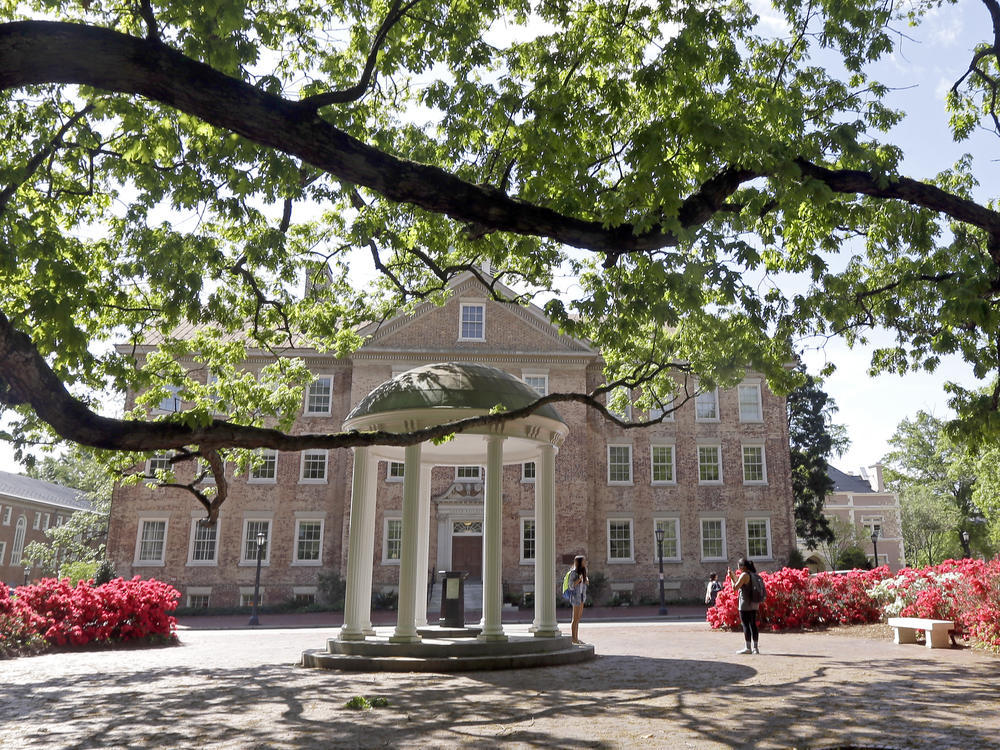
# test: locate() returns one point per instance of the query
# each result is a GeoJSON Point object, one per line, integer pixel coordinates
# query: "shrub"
{"type": "Point", "coordinates": [331, 590]}
{"type": "Point", "coordinates": [596, 589]}
{"type": "Point", "coordinates": [78, 571]}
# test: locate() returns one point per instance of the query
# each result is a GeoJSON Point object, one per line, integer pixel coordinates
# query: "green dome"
{"type": "Point", "coordinates": [450, 385]}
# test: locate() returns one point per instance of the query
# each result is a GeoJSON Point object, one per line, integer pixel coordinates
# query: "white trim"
{"type": "Point", "coordinates": [673, 464]}
{"type": "Point", "coordinates": [477, 478]}
{"type": "Point", "coordinates": [543, 375]}
{"type": "Point", "coordinates": [461, 320]}
{"type": "Point", "coordinates": [145, 518]}
{"type": "Point", "coordinates": [3, 553]}
{"type": "Point", "coordinates": [389, 477]}
{"type": "Point", "coordinates": [6, 514]}
{"type": "Point", "coordinates": [714, 393]}
{"type": "Point", "coordinates": [306, 411]}
{"type": "Point", "coordinates": [264, 453]}
{"type": "Point", "coordinates": [256, 517]}
{"type": "Point", "coordinates": [158, 457]}
{"type": "Point", "coordinates": [247, 591]}
{"type": "Point", "coordinates": [763, 463]}
{"type": "Point", "coordinates": [620, 482]}
{"type": "Point", "coordinates": [36, 525]}
{"type": "Point", "coordinates": [197, 591]}
{"type": "Point", "coordinates": [191, 538]}
{"type": "Point", "coordinates": [527, 479]}
{"type": "Point", "coordinates": [326, 466]}
{"type": "Point", "coordinates": [305, 518]}
{"type": "Point", "coordinates": [755, 384]}
{"type": "Point", "coordinates": [528, 560]}
{"type": "Point", "coordinates": [677, 531]}
{"type": "Point", "coordinates": [386, 560]}
{"type": "Point", "coordinates": [631, 539]}
{"type": "Point", "coordinates": [701, 534]}
{"type": "Point", "coordinates": [767, 529]}
{"type": "Point", "coordinates": [718, 448]}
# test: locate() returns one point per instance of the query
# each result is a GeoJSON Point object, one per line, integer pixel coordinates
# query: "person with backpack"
{"type": "Point", "coordinates": [751, 587]}
{"type": "Point", "coordinates": [575, 592]}
{"type": "Point", "coordinates": [713, 589]}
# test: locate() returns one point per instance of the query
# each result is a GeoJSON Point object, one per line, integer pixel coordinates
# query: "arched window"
{"type": "Point", "coordinates": [18, 548]}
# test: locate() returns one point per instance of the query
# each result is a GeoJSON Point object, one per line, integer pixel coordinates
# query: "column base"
{"type": "Point", "coordinates": [493, 637]}
{"type": "Point", "coordinates": [405, 639]}
{"type": "Point", "coordinates": [546, 632]}
{"type": "Point", "coordinates": [351, 635]}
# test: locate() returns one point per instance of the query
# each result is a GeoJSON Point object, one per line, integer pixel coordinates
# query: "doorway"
{"type": "Point", "coordinates": [467, 555]}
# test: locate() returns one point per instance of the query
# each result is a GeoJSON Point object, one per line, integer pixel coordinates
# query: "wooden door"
{"type": "Point", "coordinates": [467, 555]}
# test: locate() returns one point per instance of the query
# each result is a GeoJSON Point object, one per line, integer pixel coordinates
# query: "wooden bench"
{"type": "Point", "coordinates": [936, 630]}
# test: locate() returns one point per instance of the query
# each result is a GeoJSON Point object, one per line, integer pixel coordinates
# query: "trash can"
{"type": "Point", "coordinates": [452, 599]}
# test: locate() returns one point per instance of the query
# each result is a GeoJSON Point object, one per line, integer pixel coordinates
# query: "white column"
{"type": "Point", "coordinates": [423, 544]}
{"type": "Point", "coordinates": [358, 592]}
{"type": "Point", "coordinates": [406, 630]}
{"type": "Point", "coordinates": [493, 542]}
{"type": "Point", "coordinates": [368, 545]}
{"type": "Point", "coordinates": [545, 625]}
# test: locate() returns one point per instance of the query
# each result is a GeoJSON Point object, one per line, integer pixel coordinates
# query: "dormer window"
{"type": "Point", "coordinates": [473, 322]}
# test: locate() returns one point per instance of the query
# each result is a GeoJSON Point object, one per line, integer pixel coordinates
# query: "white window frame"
{"type": "Point", "coordinates": [198, 591]}
{"type": "Point", "coordinates": [46, 520]}
{"type": "Point", "coordinates": [174, 401]}
{"type": "Point", "coordinates": [525, 521]}
{"type": "Point", "coordinates": [631, 539]}
{"type": "Point", "coordinates": [763, 463]}
{"type": "Point", "coordinates": [620, 482]}
{"type": "Point", "coordinates": [541, 387]}
{"type": "Point", "coordinates": [246, 596]}
{"type": "Point", "coordinates": [36, 524]}
{"type": "Point", "coordinates": [326, 466]}
{"type": "Point", "coordinates": [767, 532]}
{"type": "Point", "coordinates": [676, 522]}
{"type": "Point", "coordinates": [718, 449]}
{"type": "Point", "coordinates": [869, 522]}
{"type": "Point", "coordinates": [269, 457]}
{"type": "Point", "coordinates": [753, 385]}
{"type": "Point", "coordinates": [137, 562]}
{"type": "Point", "coordinates": [3, 553]}
{"type": "Point", "coordinates": [481, 306]}
{"type": "Point", "coordinates": [307, 409]}
{"type": "Point", "coordinates": [701, 398]}
{"type": "Point", "coordinates": [247, 520]}
{"type": "Point", "coordinates": [196, 517]}
{"type": "Point", "coordinates": [652, 465]}
{"type": "Point", "coordinates": [701, 532]}
{"type": "Point", "coordinates": [17, 546]}
{"type": "Point", "coordinates": [399, 466]}
{"type": "Point", "coordinates": [6, 514]}
{"type": "Point", "coordinates": [59, 520]}
{"type": "Point", "coordinates": [296, 560]}
{"type": "Point", "coordinates": [394, 519]}
{"type": "Point", "coordinates": [625, 416]}
{"type": "Point", "coordinates": [667, 412]}
{"type": "Point", "coordinates": [156, 459]}
{"type": "Point", "coordinates": [477, 478]}
{"type": "Point", "coordinates": [524, 472]}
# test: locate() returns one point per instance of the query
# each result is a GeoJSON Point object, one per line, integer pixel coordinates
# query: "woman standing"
{"type": "Point", "coordinates": [578, 592]}
{"type": "Point", "coordinates": [742, 580]}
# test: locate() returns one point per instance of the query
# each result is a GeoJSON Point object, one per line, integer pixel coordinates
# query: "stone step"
{"type": "Point", "coordinates": [473, 599]}
{"type": "Point", "coordinates": [442, 647]}
{"type": "Point", "coordinates": [574, 654]}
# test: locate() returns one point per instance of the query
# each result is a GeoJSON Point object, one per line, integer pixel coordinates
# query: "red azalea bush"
{"type": "Point", "coordinates": [61, 614]}
{"type": "Point", "coordinates": [796, 599]}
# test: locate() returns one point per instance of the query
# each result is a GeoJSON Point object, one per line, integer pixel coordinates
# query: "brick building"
{"type": "Point", "coordinates": [27, 508]}
{"type": "Point", "coordinates": [714, 475]}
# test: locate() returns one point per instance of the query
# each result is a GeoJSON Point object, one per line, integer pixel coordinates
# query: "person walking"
{"type": "Point", "coordinates": [742, 580]}
{"type": "Point", "coordinates": [713, 589]}
{"type": "Point", "coordinates": [578, 592]}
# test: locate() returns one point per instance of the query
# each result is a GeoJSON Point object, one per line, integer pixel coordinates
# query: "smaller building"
{"type": "Point", "coordinates": [27, 508]}
{"type": "Point", "coordinates": [862, 502]}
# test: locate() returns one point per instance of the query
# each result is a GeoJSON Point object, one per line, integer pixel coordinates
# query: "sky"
{"type": "Point", "coordinates": [928, 61]}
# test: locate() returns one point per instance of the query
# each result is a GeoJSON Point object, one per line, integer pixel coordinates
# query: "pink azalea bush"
{"type": "Point", "coordinates": [55, 613]}
{"type": "Point", "coordinates": [966, 591]}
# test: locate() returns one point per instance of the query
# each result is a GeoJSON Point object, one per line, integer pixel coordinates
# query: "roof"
{"type": "Point", "coordinates": [843, 482]}
{"type": "Point", "coordinates": [21, 487]}
{"type": "Point", "coordinates": [451, 385]}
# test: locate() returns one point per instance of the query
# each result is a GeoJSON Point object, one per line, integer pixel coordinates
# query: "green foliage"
{"type": "Point", "coordinates": [929, 523]}
{"type": "Point", "coordinates": [796, 559]}
{"type": "Point", "coordinates": [597, 588]}
{"type": "Point", "coordinates": [853, 557]}
{"type": "Point", "coordinates": [331, 589]}
{"type": "Point", "coordinates": [78, 571]}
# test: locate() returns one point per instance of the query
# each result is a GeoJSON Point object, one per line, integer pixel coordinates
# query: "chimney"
{"type": "Point", "coordinates": [875, 478]}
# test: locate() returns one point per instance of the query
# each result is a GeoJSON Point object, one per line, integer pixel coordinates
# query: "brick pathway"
{"type": "Point", "coordinates": [654, 685]}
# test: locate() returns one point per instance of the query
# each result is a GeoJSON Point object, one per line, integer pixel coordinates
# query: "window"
{"type": "Point", "coordinates": [246, 597]}
{"type": "Point", "coordinates": [17, 548]}
{"type": "Point", "coordinates": [318, 396]}
{"type": "Point", "coordinates": [759, 538]}
{"type": "Point", "coordinates": [308, 541]}
{"type": "Point", "coordinates": [750, 408]}
{"type": "Point", "coordinates": [709, 464]}
{"type": "Point", "coordinates": [3, 551]}
{"type": "Point", "coordinates": [46, 520]}
{"type": "Point", "coordinates": [157, 462]}
{"type": "Point", "coordinates": [151, 542]}
{"type": "Point", "coordinates": [468, 473]}
{"type": "Point", "coordinates": [539, 383]}
{"type": "Point", "coordinates": [252, 527]}
{"type": "Point", "coordinates": [37, 524]}
{"type": "Point", "coordinates": [303, 598]}
{"type": "Point", "coordinates": [713, 539]}
{"type": "Point", "coordinates": [754, 468]}
{"type": "Point", "coordinates": [171, 402]}
{"type": "Point", "coordinates": [528, 471]}
{"type": "Point", "coordinates": [59, 520]}
{"type": "Point", "coordinates": [6, 515]}
{"type": "Point", "coordinates": [619, 464]}
{"type": "Point", "coordinates": [706, 406]}
{"type": "Point", "coordinates": [313, 466]}
{"type": "Point", "coordinates": [527, 540]}
{"type": "Point", "coordinates": [204, 470]}
{"type": "Point", "coordinates": [392, 546]}
{"type": "Point", "coordinates": [872, 524]}
{"type": "Point", "coordinates": [473, 322]}
{"type": "Point", "coordinates": [620, 540]}
{"type": "Point", "coordinates": [662, 464]}
{"type": "Point", "coordinates": [395, 472]}
{"type": "Point", "coordinates": [267, 469]}
{"type": "Point", "coordinates": [624, 410]}
{"type": "Point", "coordinates": [204, 541]}
{"type": "Point", "coordinates": [198, 601]}
{"type": "Point", "coordinates": [671, 539]}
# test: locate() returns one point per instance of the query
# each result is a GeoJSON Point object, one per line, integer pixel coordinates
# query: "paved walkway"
{"type": "Point", "coordinates": [654, 685]}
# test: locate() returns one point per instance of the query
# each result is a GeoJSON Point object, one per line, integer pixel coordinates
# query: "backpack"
{"type": "Point", "coordinates": [566, 591]}
{"type": "Point", "coordinates": [758, 592]}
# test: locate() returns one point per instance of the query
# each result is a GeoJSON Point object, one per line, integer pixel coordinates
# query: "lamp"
{"type": "Point", "coordinates": [27, 574]}
{"type": "Point", "coordinates": [874, 539]}
{"type": "Point", "coordinates": [965, 543]}
{"type": "Point", "coordinates": [659, 551]}
{"type": "Point", "coordinates": [261, 541]}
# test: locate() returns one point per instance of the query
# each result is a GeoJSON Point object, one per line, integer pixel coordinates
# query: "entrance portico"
{"type": "Point", "coordinates": [429, 396]}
